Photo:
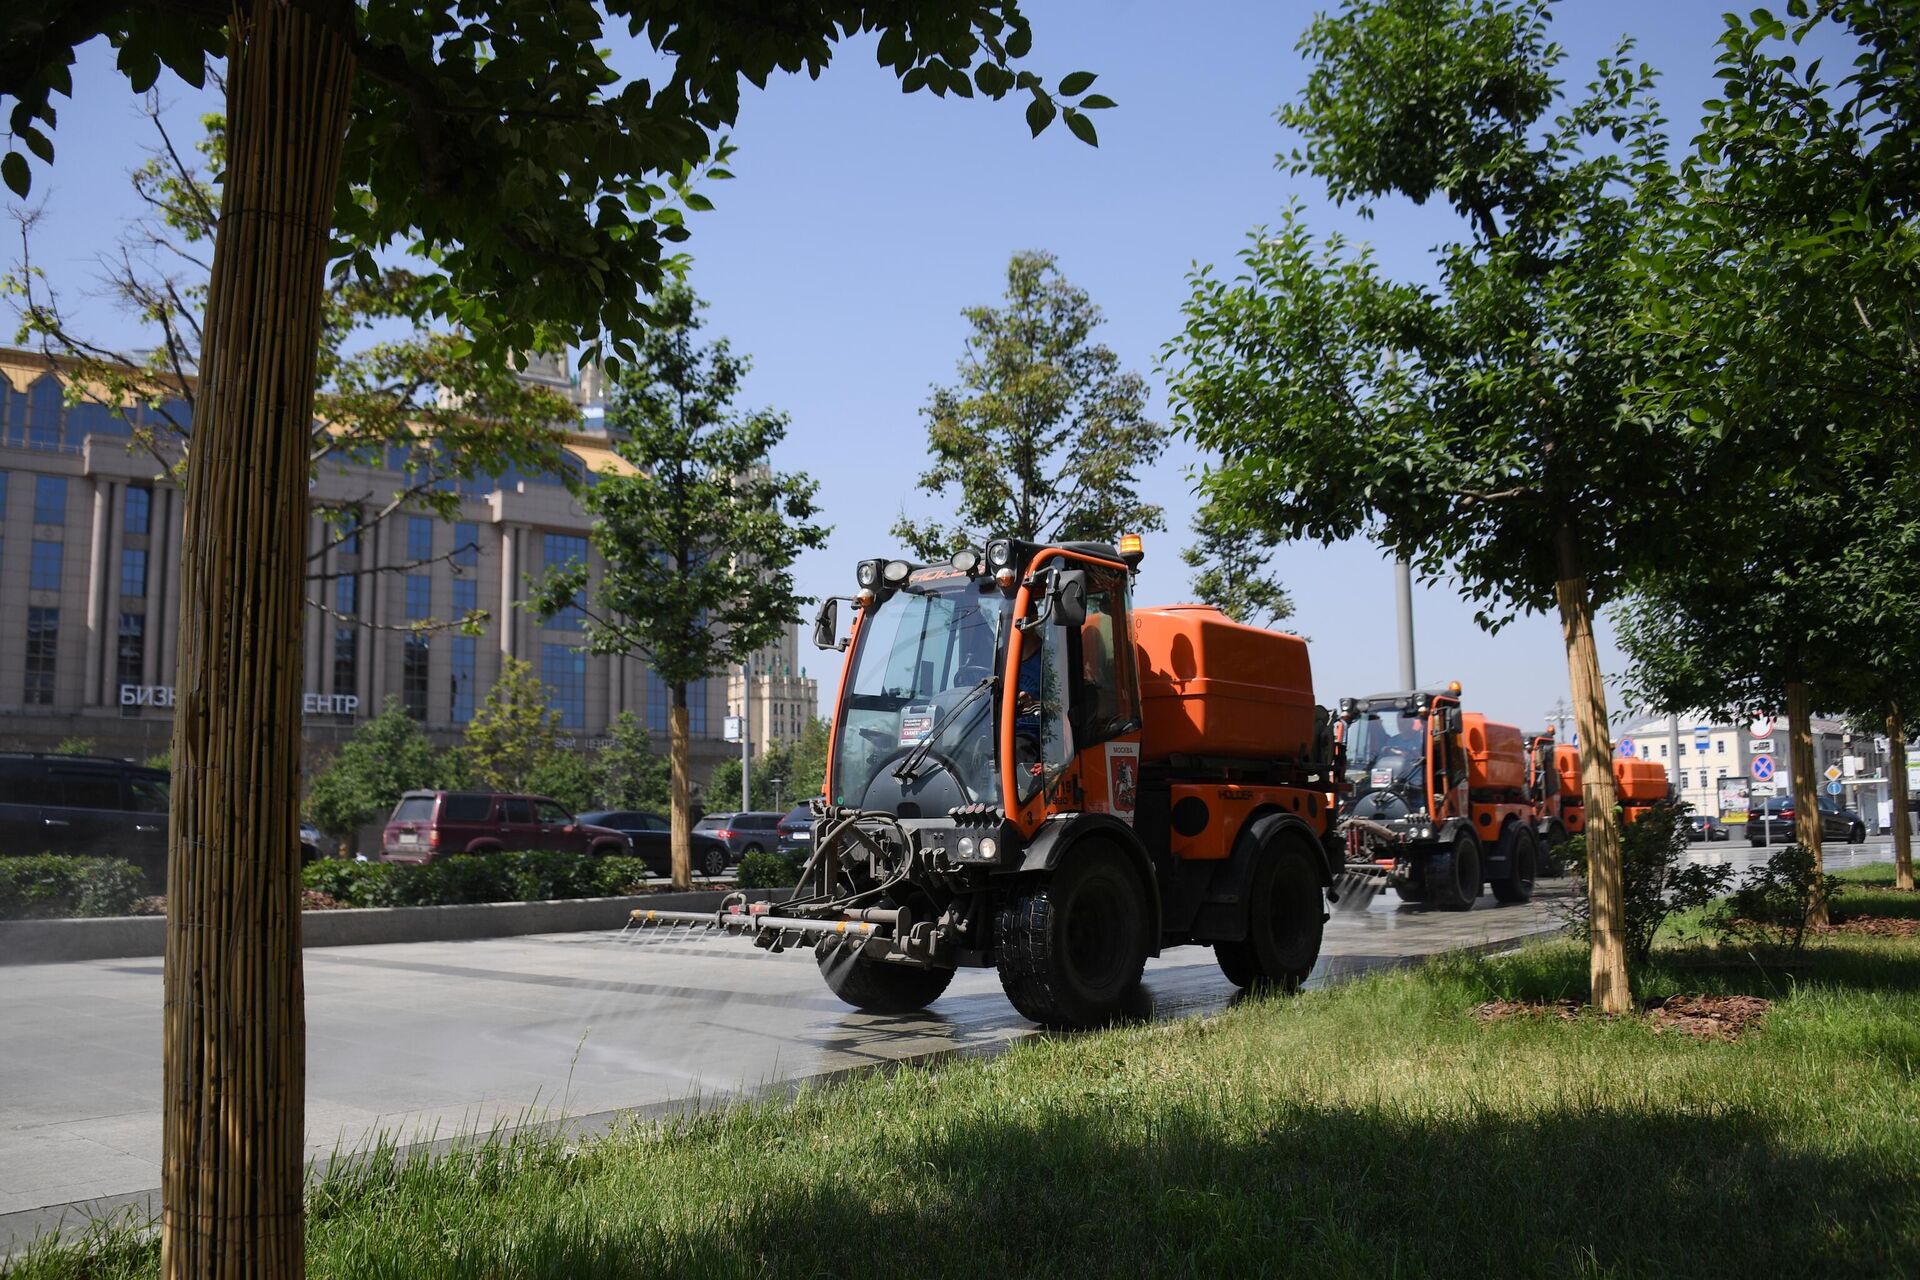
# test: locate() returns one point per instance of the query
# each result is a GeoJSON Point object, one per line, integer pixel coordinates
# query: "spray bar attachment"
{"type": "Point", "coordinates": [779, 932]}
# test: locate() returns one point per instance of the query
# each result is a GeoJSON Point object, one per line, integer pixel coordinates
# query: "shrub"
{"type": "Point", "coordinates": [769, 871]}
{"type": "Point", "coordinates": [52, 886]}
{"type": "Point", "coordinates": [1775, 902]}
{"type": "Point", "coordinates": [478, 877]}
{"type": "Point", "coordinates": [1657, 880]}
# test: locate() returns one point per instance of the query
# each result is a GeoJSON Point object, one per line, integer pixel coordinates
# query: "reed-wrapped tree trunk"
{"type": "Point", "coordinates": [1897, 793]}
{"type": "Point", "coordinates": [680, 820]}
{"type": "Point", "coordinates": [234, 1031]}
{"type": "Point", "coordinates": [1806, 788]}
{"type": "Point", "coordinates": [1606, 894]}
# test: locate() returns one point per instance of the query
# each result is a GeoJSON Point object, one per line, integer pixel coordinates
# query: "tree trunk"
{"type": "Point", "coordinates": [1897, 795]}
{"type": "Point", "coordinates": [681, 819]}
{"type": "Point", "coordinates": [234, 1071]}
{"type": "Point", "coordinates": [1806, 788]}
{"type": "Point", "coordinates": [1607, 908]}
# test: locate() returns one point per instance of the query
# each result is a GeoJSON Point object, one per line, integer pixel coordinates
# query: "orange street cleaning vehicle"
{"type": "Point", "coordinates": [1555, 775]}
{"type": "Point", "coordinates": [1436, 799]}
{"type": "Point", "coordinates": [1027, 773]}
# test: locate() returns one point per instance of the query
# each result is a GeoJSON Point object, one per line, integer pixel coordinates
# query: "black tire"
{"type": "Point", "coordinates": [752, 848]}
{"type": "Point", "coordinates": [1072, 944]}
{"type": "Point", "coordinates": [1411, 891]}
{"type": "Point", "coordinates": [1286, 917]}
{"type": "Point", "coordinates": [1453, 874]}
{"type": "Point", "coordinates": [1523, 866]}
{"type": "Point", "coordinates": [713, 861]}
{"type": "Point", "coordinates": [878, 986]}
{"type": "Point", "coordinates": [1552, 861]}
{"type": "Point", "coordinates": [1856, 834]}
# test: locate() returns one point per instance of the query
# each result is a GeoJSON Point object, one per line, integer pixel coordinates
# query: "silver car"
{"type": "Point", "coordinates": [744, 833]}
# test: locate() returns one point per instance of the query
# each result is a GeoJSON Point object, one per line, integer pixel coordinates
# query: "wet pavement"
{"type": "Point", "coordinates": [423, 1041]}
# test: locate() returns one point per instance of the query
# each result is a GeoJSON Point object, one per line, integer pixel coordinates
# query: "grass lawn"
{"type": "Point", "coordinates": [1373, 1130]}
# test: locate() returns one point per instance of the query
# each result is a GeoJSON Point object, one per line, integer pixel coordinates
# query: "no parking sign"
{"type": "Point", "coordinates": [1763, 768]}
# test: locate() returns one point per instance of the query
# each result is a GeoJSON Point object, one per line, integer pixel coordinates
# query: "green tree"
{"type": "Point", "coordinates": [567, 776]}
{"type": "Point", "coordinates": [723, 785]}
{"type": "Point", "coordinates": [699, 535]}
{"type": "Point", "coordinates": [1230, 569]}
{"type": "Point", "coordinates": [75, 746]}
{"type": "Point", "coordinates": [1475, 427]}
{"type": "Point", "coordinates": [1045, 436]}
{"type": "Point", "coordinates": [514, 730]}
{"type": "Point", "coordinates": [386, 756]}
{"type": "Point", "coordinates": [1784, 308]}
{"type": "Point", "coordinates": [495, 141]}
{"type": "Point", "coordinates": [628, 773]}
{"type": "Point", "coordinates": [807, 761]}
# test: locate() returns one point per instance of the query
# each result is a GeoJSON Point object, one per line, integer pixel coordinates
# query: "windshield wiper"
{"type": "Point", "coordinates": [904, 771]}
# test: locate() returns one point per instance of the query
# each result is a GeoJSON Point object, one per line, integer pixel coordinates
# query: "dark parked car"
{"type": "Point", "coordinates": [89, 805]}
{"type": "Point", "coordinates": [1706, 827]}
{"type": "Point", "coordinates": [1772, 822]}
{"type": "Point", "coordinates": [795, 831]}
{"type": "Point", "coordinates": [429, 824]}
{"type": "Point", "coordinates": [744, 833]}
{"type": "Point", "coordinates": [651, 836]}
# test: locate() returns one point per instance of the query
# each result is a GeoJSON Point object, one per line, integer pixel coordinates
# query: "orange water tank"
{"type": "Point", "coordinates": [1566, 762]}
{"type": "Point", "coordinates": [1210, 686]}
{"type": "Point", "coordinates": [1640, 781]}
{"type": "Point", "coordinates": [1496, 754]}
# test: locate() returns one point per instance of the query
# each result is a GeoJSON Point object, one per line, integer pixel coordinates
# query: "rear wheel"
{"type": "Point", "coordinates": [1856, 834]}
{"type": "Point", "coordinates": [1523, 858]}
{"type": "Point", "coordinates": [1552, 861]}
{"type": "Point", "coordinates": [1072, 944]}
{"type": "Point", "coordinates": [1285, 920]}
{"type": "Point", "coordinates": [1453, 874]}
{"type": "Point", "coordinates": [713, 861]}
{"type": "Point", "coordinates": [878, 986]}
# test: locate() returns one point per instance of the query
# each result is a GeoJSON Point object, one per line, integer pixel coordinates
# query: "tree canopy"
{"type": "Point", "coordinates": [1045, 436]}
{"type": "Point", "coordinates": [1229, 563]}
{"type": "Point", "coordinates": [494, 141]}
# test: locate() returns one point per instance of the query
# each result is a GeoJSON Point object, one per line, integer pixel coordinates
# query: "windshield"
{"type": "Point", "coordinates": [922, 651]}
{"type": "Point", "coordinates": [1385, 749]}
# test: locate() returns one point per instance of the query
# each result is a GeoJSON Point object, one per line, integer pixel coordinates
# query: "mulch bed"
{"type": "Point", "coordinates": [1873, 926]}
{"type": "Point", "coordinates": [1707, 1017]}
{"type": "Point", "coordinates": [1702, 1017]}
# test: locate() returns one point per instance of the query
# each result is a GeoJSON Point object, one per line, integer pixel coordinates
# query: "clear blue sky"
{"type": "Point", "coordinates": [863, 220]}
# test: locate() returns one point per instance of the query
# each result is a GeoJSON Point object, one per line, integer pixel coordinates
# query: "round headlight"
{"type": "Point", "coordinates": [988, 846]}
{"type": "Point", "coordinates": [999, 553]}
{"type": "Point", "coordinates": [869, 573]}
{"type": "Point", "coordinates": [895, 574]}
{"type": "Point", "coordinates": [966, 846]}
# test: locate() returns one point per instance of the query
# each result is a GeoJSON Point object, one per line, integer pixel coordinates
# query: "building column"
{"type": "Point", "coordinates": [173, 523]}
{"type": "Point", "coordinates": [509, 565]}
{"type": "Point", "coordinates": [99, 583]}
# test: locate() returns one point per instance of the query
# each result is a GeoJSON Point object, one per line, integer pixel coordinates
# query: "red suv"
{"type": "Point", "coordinates": [427, 824]}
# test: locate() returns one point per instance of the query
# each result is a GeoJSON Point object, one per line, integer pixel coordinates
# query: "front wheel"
{"type": "Point", "coordinates": [1523, 857]}
{"type": "Point", "coordinates": [1072, 944]}
{"type": "Point", "coordinates": [1285, 921]}
{"type": "Point", "coordinates": [1453, 874]}
{"type": "Point", "coordinates": [878, 986]}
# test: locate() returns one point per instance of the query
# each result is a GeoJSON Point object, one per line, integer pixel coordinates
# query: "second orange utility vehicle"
{"type": "Point", "coordinates": [1436, 799]}
{"type": "Point", "coordinates": [1554, 775]}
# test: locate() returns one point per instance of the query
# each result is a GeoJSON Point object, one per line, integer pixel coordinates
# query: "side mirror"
{"type": "Point", "coordinates": [826, 625]}
{"type": "Point", "coordinates": [1070, 597]}
{"type": "Point", "coordinates": [1450, 720]}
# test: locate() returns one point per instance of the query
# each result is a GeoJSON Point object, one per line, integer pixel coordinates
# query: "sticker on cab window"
{"type": "Point", "coordinates": [915, 724]}
{"type": "Point", "coordinates": [1383, 777]}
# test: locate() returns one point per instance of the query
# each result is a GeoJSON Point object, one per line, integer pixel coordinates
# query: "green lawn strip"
{"type": "Point", "coordinates": [1376, 1129]}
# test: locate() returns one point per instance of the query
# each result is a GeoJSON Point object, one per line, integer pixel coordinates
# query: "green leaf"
{"type": "Point", "coordinates": [1079, 82]}
{"type": "Point", "coordinates": [1095, 102]}
{"type": "Point", "coordinates": [1039, 114]}
{"type": "Point", "coordinates": [14, 169]}
{"type": "Point", "coordinates": [37, 142]}
{"type": "Point", "coordinates": [1081, 127]}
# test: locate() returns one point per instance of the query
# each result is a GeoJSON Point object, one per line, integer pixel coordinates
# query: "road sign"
{"type": "Point", "coordinates": [1833, 788]}
{"type": "Point", "coordinates": [1761, 789]}
{"type": "Point", "coordinates": [731, 730]}
{"type": "Point", "coordinates": [1761, 744]}
{"type": "Point", "coordinates": [1833, 773]}
{"type": "Point", "coordinates": [1763, 768]}
{"type": "Point", "coordinates": [1626, 748]}
{"type": "Point", "coordinates": [1761, 726]}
